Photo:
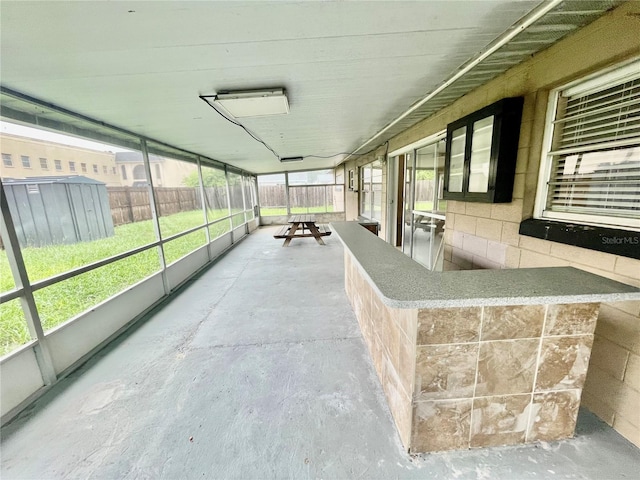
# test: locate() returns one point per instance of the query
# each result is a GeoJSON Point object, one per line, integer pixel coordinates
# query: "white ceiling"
{"type": "Point", "coordinates": [349, 68]}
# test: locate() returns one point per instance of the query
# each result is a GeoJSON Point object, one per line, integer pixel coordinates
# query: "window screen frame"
{"type": "Point", "coordinates": [599, 81]}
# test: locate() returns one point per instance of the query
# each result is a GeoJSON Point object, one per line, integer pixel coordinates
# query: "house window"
{"type": "Point", "coordinates": [591, 167]}
{"type": "Point", "coordinates": [6, 160]}
{"type": "Point", "coordinates": [26, 161]}
{"type": "Point", "coordinates": [124, 172]}
{"type": "Point", "coordinates": [113, 171]}
{"type": "Point", "coordinates": [44, 165]}
{"type": "Point", "coordinates": [139, 173]}
{"type": "Point", "coordinates": [58, 165]}
{"type": "Point", "coordinates": [371, 191]}
{"type": "Point", "coordinates": [95, 168]}
{"type": "Point", "coordinates": [104, 169]}
{"type": "Point", "coordinates": [72, 166]}
{"type": "Point", "coordinates": [83, 167]}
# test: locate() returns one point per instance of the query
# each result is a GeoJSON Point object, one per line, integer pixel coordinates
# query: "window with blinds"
{"type": "Point", "coordinates": [594, 157]}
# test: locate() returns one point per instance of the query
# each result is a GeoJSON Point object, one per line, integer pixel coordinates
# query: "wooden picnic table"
{"type": "Point", "coordinates": [298, 224]}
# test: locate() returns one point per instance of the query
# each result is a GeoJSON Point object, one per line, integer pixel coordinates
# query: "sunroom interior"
{"type": "Point", "coordinates": [137, 212]}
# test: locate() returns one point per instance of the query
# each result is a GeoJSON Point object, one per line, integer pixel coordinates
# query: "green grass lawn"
{"type": "Point", "coordinates": [64, 300]}
{"type": "Point", "coordinates": [428, 206]}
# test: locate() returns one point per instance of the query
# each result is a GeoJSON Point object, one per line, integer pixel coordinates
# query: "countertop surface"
{"type": "Point", "coordinates": [403, 283]}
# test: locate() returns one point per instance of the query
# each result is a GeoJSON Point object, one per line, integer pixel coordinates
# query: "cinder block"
{"type": "Point", "coordinates": [595, 405]}
{"type": "Point", "coordinates": [529, 107]}
{"type": "Point", "coordinates": [628, 267]}
{"type": "Point", "coordinates": [475, 245]}
{"type": "Point", "coordinates": [535, 244]}
{"type": "Point", "coordinates": [627, 430]}
{"type": "Point", "coordinates": [489, 229]}
{"type": "Point", "coordinates": [632, 373]}
{"type": "Point", "coordinates": [510, 234]}
{"type": "Point", "coordinates": [450, 266]}
{"type": "Point", "coordinates": [512, 258]}
{"type": "Point", "coordinates": [528, 202]}
{"type": "Point", "coordinates": [631, 307]}
{"type": "Point", "coordinates": [626, 406]}
{"type": "Point", "coordinates": [448, 252]}
{"type": "Point", "coordinates": [604, 387]}
{"type": "Point", "coordinates": [455, 207]}
{"type": "Point", "coordinates": [521, 164]}
{"type": "Point", "coordinates": [518, 185]}
{"type": "Point", "coordinates": [529, 259]}
{"type": "Point", "coordinates": [464, 260]}
{"type": "Point", "coordinates": [525, 128]}
{"type": "Point", "coordinates": [609, 357]}
{"type": "Point", "coordinates": [466, 224]}
{"type": "Point", "coordinates": [497, 252]}
{"type": "Point", "coordinates": [482, 263]}
{"type": "Point", "coordinates": [448, 237]}
{"type": "Point", "coordinates": [458, 239]}
{"type": "Point", "coordinates": [451, 221]}
{"type": "Point", "coordinates": [509, 212]}
{"type": "Point", "coordinates": [619, 327]}
{"type": "Point", "coordinates": [478, 210]}
{"type": "Point", "coordinates": [583, 256]}
{"type": "Point", "coordinates": [522, 158]}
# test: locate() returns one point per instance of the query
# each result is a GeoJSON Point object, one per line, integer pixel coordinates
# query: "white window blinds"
{"type": "Point", "coordinates": [595, 152]}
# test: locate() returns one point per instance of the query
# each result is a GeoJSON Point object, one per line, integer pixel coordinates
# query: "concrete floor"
{"type": "Point", "coordinates": [257, 370]}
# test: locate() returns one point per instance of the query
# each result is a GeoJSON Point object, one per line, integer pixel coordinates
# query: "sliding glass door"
{"type": "Point", "coordinates": [424, 208]}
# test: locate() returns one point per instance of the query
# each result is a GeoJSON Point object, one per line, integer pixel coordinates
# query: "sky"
{"type": "Point", "coordinates": [30, 132]}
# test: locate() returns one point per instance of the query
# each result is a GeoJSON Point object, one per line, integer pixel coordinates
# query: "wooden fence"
{"type": "Point", "coordinates": [303, 195]}
{"type": "Point", "coordinates": [424, 190]}
{"type": "Point", "coordinates": [272, 195]}
{"type": "Point", "coordinates": [131, 204]}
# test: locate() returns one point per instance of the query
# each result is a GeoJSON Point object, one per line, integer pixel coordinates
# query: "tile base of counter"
{"type": "Point", "coordinates": [467, 377]}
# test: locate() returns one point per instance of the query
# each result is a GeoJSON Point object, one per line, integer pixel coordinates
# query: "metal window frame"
{"type": "Point", "coordinates": [23, 289]}
{"type": "Point", "coordinates": [594, 82]}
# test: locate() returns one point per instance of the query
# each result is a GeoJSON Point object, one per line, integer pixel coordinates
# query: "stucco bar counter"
{"type": "Point", "coordinates": [474, 358]}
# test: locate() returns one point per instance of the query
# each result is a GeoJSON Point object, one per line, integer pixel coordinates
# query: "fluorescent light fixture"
{"type": "Point", "coordinates": [291, 159]}
{"type": "Point", "coordinates": [251, 103]}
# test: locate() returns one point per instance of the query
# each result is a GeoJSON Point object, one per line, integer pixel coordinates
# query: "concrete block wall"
{"type": "Point", "coordinates": [486, 236]}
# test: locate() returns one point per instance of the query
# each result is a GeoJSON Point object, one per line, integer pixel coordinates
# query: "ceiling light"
{"type": "Point", "coordinates": [251, 103]}
{"type": "Point", "coordinates": [291, 159]}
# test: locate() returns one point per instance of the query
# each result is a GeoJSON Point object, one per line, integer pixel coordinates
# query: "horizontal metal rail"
{"type": "Point", "coordinates": [40, 284]}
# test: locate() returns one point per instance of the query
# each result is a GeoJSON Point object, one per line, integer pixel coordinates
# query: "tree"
{"type": "Point", "coordinates": [211, 177]}
{"type": "Point", "coordinates": [425, 174]}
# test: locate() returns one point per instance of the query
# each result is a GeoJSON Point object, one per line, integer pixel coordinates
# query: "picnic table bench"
{"type": "Point", "coordinates": [300, 226]}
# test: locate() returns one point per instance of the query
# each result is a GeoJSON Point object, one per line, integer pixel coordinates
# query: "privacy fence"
{"type": "Point", "coordinates": [329, 198]}
{"type": "Point", "coordinates": [131, 204]}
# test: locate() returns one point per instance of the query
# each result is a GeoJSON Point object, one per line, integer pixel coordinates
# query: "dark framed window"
{"type": "Point", "coordinates": [481, 153]}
